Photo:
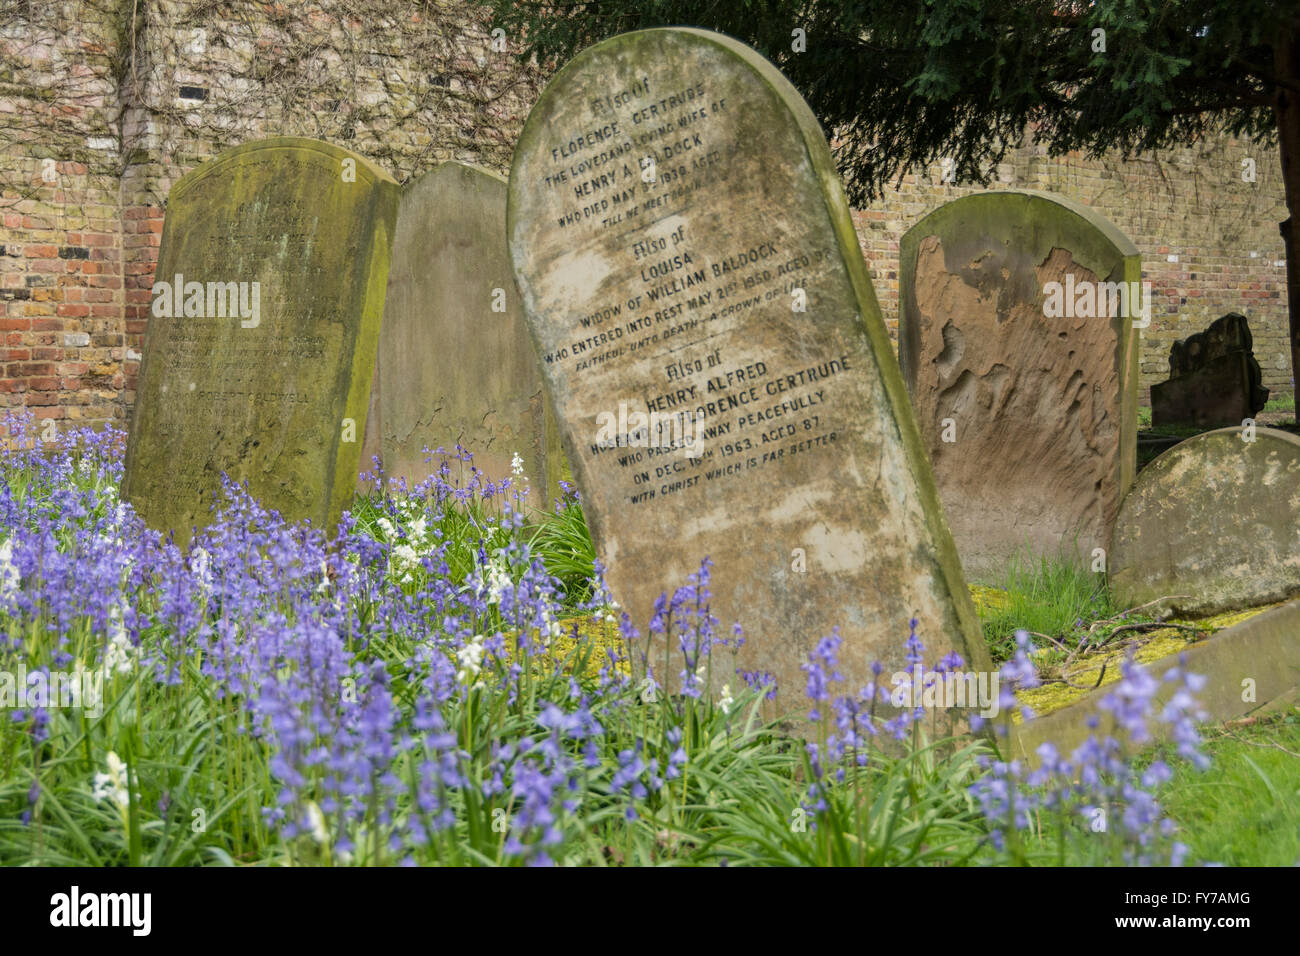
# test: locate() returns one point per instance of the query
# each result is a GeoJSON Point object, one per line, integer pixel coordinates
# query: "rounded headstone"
{"type": "Point", "coordinates": [1022, 371]}
{"type": "Point", "coordinates": [684, 248]}
{"type": "Point", "coordinates": [1212, 525]}
{"type": "Point", "coordinates": [262, 334]}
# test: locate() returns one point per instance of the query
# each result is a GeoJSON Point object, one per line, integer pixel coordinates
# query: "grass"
{"type": "Point", "coordinates": [1245, 809]}
{"type": "Point", "coordinates": [1284, 402]}
{"type": "Point", "coordinates": [1045, 597]}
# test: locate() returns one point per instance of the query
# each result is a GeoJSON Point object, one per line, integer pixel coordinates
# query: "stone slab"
{"type": "Point", "coordinates": [1214, 379]}
{"type": "Point", "coordinates": [1216, 395]}
{"type": "Point", "coordinates": [1264, 651]}
{"type": "Point", "coordinates": [456, 360]}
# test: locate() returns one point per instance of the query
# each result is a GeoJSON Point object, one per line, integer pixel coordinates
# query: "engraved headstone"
{"type": "Point", "coordinates": [456, 361]}
{"type": "Point", "coordinates": [1211, 525]}
{"type": "Point", "coordinates": [261, 340]}
{"type": "Point", "coordinates": [1017, 344]}
{"type": "Point", "coordinates": [1214, 378]}
{"type": "Point", "coordinates": [685, 250]}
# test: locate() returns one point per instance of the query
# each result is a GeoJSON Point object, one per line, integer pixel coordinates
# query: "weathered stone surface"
{"type": "Point", "coordinates": [452, 368]}
{"type": "Point", "coordinates": [1264, 649]}
{"type": "Point", "coordinates": [1225, 335]}
{"type": "Point", "coordinates": [1214, 379]}
{"type": "Point", "coordinates": [677, 296]}
{"type": "Point", "coordinates": [1030, 421]}
{"type": "Point", "coordinates": [1213, 524]}
{"type": "Point", "coordinates": [277, 398]}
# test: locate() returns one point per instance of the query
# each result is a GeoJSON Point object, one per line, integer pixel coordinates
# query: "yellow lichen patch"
{"type": "Point", "coordinates": [988, 599]}
{"type": "Point", "coordinates": [594, 638]}
{"type": "Point", "coordinates": [588, 647]}
{"type": "Point", "coordinates": [1148, 647]}
{"type": "Point", "coordinates": [1218, 622]}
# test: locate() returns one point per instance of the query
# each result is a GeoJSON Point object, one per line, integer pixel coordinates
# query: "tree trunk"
{"type": "Point", "coordinates": [1286, 63]}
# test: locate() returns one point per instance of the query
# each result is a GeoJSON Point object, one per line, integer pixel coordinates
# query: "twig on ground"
{"type": "Point", "coordinates": [1263, 743]}
{"type": "Point", "coordinates": [1148, 626]}
{"type": "Point", "coordinates": [1133, 610]}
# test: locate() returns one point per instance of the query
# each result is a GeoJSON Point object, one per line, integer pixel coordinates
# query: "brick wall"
{"type": "Point", "coordinates": [121, 98]}
{"type": "Point", "coordinates": [60, 225]}
{"type": "Point", "coordinates": [105, 103]}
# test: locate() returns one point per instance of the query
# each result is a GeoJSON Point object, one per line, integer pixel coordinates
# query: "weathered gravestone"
{"type": "Point", "coordinates": [1214, 379]}
{"type": "Point", "coordinates": [1213, 524]}
{"type": "Point", "coordinates": [1023, 371]}
{"type": "Point", "coordinates": [261, 341]}
{"type": "Point", "coordinates": [797, 468]}
{"type": "Point", "coordinates": [456, 361]}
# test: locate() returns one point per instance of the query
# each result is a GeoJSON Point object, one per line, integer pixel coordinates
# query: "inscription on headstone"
{"type": "Point", "coordinates": [717, 360]}
{"type": "Point", "coordinates": [261, 340]}
{"type": "Point", "coordinates": [1017, 342]}
{"type": "Point", "coordinates": [456, 361]}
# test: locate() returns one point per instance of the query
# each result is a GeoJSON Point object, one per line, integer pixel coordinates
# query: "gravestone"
{"type": "Point", "coordinates": [1211, 525]}
{"type": "Point", "coordinates": [262, 334]}
{"type": "Point", "coordinates": [456, 361]}
{"type": "Point", "coordinates": [673, 204]}
{"type": "Point", "coordinates": [1023, 372]}
{"type": "Point", "coordinates": [1214, 379]}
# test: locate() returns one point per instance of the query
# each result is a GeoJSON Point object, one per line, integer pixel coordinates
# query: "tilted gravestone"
{"type": "Point", "coordinates": [673, 204]}
{"type": "Point", "coordinates": [1214, 379]}
{"type": "Point", "coordinates": [261, 340]}
{"type": "Point", "coordinates": [456, 361]}
{"type": "Point", "coordinates": [1213, 524]}
{"type": "Point", "coordinates": [1023, 372]}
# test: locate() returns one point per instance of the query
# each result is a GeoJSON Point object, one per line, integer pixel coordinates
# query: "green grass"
{"type": "Point", "coordinates": [1245, 809]}
{"type": "Point", "coordinates": [564, 543]}
{"type": "Point", "coordinates": [1283, 402]}
{"type": "Point", "coordinates": [1043, 597]}
{"type": "Point", "coordinates": [560, 538]}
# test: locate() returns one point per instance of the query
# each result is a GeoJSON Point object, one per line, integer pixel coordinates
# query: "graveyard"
{"type": "Point", "coordinates": [598, 514]}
